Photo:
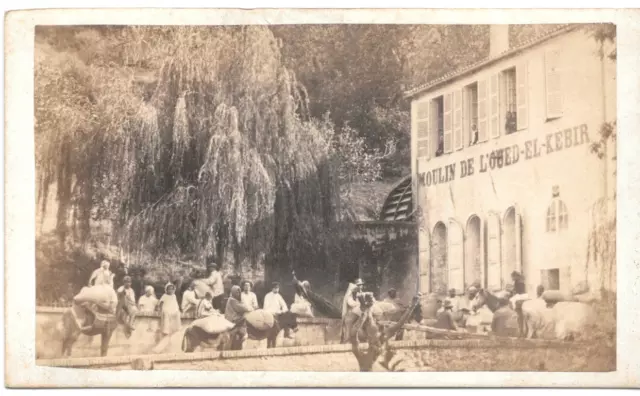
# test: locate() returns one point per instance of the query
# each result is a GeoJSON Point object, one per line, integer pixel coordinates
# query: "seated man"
{"type": "Point", "coordinates": [445, 319]}
{"type": "Point", "coordinates": [205, 307]}
{"type": "Point", "coordinates": [102, 276]}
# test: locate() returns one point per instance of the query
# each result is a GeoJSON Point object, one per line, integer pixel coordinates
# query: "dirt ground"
{"type": "Point", "coordinates": [593, 358]}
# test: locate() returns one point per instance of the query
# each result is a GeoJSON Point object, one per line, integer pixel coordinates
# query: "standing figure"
{"type": "Point", "coordinates": [169, 311]}
{"type": "Point", "coordinates": [248, 297]}
{"type": "Point", "coordinates": [214, 281]}
{"type": "Point", "coordinates": [102, 276]}
{"type": "Point", "coordinates": [275, 304]}
{"type": "Point", "coordinates": [130, 307]}
{"type": "Point", "coordinates": [350, 308]}
{"type": "Point", "coordinates": [273, 301]}
{"type": "Point", "coordinates": [148, 302]}
{"type": "Point", "coordinates": [234, 312]}
{"type": "Point", "coordinates": [519, 289]}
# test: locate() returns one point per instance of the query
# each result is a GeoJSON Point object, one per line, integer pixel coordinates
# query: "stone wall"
{"type": "Point", "coordinates": [144, 340]}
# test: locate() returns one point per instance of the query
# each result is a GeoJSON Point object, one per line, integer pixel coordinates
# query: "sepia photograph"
{"type": "Point", "coordinates": [326, 197]}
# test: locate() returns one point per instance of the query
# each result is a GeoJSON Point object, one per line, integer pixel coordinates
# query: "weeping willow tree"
{"type": "Point", "coordinates": [216, 154]}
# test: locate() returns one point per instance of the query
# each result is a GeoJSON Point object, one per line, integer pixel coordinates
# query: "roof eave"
{"type": "Point", "coordinates": [484, 63]}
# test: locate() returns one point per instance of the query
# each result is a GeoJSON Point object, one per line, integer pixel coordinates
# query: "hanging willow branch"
{"type": "Point", "coordinates": [218, 152]}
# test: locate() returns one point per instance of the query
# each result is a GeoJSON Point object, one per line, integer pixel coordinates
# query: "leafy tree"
{"type": "Point", "coordinates": [188, 141]}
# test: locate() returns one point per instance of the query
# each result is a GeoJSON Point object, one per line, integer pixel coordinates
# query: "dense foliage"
{"type": "Point", "coordinates": [187, 141]}
{"type": "Point", "coordinates": [214, 149]}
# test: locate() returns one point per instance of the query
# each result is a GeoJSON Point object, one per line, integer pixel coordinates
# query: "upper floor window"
{"type": "Point", "coordinates": [507, 99]}
{"type": "Point", "coordinates": [472, 113]}
{"type": "Point", "coordinates": [557, 216]}
{"type": "Point", "coordinates": [433, 126]}
{"type": "Point", "coordinates": [439, 123]}
{"type": "Point", "coordinates": [510, 104]}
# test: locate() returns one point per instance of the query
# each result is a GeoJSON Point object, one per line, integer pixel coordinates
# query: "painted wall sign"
{"type": "Point", "coordinates": [507, 156]}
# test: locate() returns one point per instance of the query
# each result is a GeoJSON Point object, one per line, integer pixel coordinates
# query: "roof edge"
{"type": "Point", "coordinates": [473, 67]}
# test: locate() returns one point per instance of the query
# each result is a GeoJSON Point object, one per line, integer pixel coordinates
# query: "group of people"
{"type": "Point", "coordinates": [456, 309]}
{"type": "Point", "coordinates": [241, 299]}
{"type": "Point", "coordinates": [351, 304]}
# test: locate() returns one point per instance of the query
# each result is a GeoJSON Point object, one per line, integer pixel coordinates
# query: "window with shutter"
{"type": "Point", "coordinates": [457, 120]}
{"type": "Point", "coordinates": [493, 252]}
{"type": "Point", "coordinates": [494, 109]}
{"type": "Point", "coordinates": [448, 121]}
{"type": "Point", "coordinates": [522, 96]}
{"type": "Point", "coordinates": [553, 84]}
{"type": "Point", "coordinates": [435, 126]}
{"type": "Point", "coordinates": [422, 128]}
{"type": "Point", "coordinates": [456, 257]}
{"type": "Point", "coordinates": [483, 131]}
{"type": "Point", "coordinates": [508, 101]}
{"type": "Point", "coordinates": [470, 115]}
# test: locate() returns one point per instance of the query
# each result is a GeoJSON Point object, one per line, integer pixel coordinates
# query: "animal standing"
{"type": "Point", "coordinates": [537, 318]}
{"type": "Point", "coordinates": [233, 340]}
{"type": "Point", "coordinates": [100, 322]}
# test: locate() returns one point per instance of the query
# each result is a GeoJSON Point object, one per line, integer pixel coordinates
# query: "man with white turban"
{"type": "Point", "coordinates": [350, 308]}
{"type": "Point", "coordinates": [102, 276]}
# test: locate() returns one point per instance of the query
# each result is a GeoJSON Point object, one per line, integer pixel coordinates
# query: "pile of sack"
{"type": "Point", "coordinates": [214, 324]}
{"type": "Point", "coordinates": [104, 296]}
{"type": "Point", "coordinates": [554, 296]}
{"type": "Point", "coordinates": [260, 319]}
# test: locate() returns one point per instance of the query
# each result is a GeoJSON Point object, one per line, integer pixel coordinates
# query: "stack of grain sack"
{"type": "Point", "coordinates": [104, 296]}
{"type": "Point", "coordinates": [260, 319]}
{"type": "Point", "coordinates": [555, 296]}
{"type": "Point", "coordinates": [214, 324]}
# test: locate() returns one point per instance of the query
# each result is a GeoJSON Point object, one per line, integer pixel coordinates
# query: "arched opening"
{"type": "Point", "coordinates": [424, 245]}
{"type": "Point", "coordinates": [509, 262]}
{"type": "Point", "coordinates": [439, 273]}
{"type": "Point", "coordinates": [473, 253]}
